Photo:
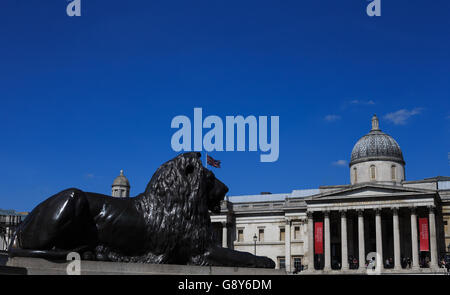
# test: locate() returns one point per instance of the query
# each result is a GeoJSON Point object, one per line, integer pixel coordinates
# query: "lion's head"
{"type": "Point", "coordinates": [184, 176]}
{"type": "Point", "coordinates": [178, 199]}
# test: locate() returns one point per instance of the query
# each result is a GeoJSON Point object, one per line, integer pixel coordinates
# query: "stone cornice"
{"type": "Point", "coordinates": [371, 185]}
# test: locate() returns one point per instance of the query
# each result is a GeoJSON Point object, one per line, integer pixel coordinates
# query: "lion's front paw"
{"type": "Point", "coordinates": [201, 260]}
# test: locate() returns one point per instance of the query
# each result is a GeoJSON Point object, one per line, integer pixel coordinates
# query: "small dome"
{"type": "Point", "coordinates": [121, 180]}
{"type": "Point", "coordinates": [376, 145]}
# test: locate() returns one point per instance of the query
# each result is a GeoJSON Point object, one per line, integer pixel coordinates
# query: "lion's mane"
{"type": "Point", "coordinates": [175, 209]}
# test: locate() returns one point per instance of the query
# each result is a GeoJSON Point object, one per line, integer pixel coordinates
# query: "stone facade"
{"type": "Point", "coordinates": [382, 218]}
{"type": "Point", "coordinates": [377, 214]}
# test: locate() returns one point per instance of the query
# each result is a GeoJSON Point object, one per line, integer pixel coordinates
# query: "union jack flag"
{"type": "Point", "coordinates": [212, 162]}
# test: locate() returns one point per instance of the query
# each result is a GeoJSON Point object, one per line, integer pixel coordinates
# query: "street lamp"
{"type": "Point", "coordinates": [254, 240]}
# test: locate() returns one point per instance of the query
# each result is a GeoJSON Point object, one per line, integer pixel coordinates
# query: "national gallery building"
{"type": "Point", "coordinates": [338, 228]}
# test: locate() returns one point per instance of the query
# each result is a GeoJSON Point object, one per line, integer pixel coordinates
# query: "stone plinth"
{"type": "Point", "coordinates": [37, 266]}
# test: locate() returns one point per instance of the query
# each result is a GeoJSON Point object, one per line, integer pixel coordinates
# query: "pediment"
{"type": "Point", "coordinates": [371, 190]}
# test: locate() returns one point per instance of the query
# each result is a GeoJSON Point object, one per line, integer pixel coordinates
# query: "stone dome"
{"type": "Point", "coordinates": [121, 180]}
{"type": "Point", "coordinates": [376, 146]}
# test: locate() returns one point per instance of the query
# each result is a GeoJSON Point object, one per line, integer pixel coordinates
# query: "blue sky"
{"type": "Point", "coordinates": [83, 97]}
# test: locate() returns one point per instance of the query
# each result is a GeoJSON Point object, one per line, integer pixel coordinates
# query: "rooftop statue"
{"type": "Point", "coordinates": [168, 223]}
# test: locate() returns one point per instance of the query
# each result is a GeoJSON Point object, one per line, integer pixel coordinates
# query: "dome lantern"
{"type": "Point", "coordinates": [375, 123]}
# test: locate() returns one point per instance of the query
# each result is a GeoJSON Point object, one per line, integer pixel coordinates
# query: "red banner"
{"type": "Point", "coordinates": [318, 237]}
{"type": "Point", "coordinates": [423, 232]}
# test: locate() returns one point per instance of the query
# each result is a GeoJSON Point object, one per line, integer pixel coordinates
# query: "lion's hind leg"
{"type": "Point", "coordinates": [58, 224]}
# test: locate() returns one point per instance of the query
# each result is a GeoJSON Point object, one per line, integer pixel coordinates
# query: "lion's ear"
{"type": "Point", "coordinates": [189, 169]}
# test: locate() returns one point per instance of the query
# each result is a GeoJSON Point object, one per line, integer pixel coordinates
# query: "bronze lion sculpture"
{"type": "Point", "coordinates": [168, 223]}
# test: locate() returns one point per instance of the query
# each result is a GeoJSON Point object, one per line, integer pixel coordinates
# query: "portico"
{"type": "Point", "coordinates": [373, 220]}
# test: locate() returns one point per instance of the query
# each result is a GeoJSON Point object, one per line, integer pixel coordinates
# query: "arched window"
{"type": "Point", "coordinates": [393, 177]}
{"type": "Point", "coordinates": [372, 172]}
{"type": "Point", "coordinates": [355, 175]}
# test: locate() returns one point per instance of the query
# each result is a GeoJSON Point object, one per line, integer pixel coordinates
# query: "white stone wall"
{"type": "Point", "coordinates": [446, 219]}
{"type": "Point", "coordinates": [299, 244]}
{"type": "Point", "coordinates": [272, 246]}
{"type": "Point", "coordinates": [382, 172]}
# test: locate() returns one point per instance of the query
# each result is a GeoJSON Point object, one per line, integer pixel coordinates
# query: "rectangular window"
{"type": "Point", "coordinates": [393, 172]}
{"type": "Point", "coordinates": [296, 232]}
{"type": "Point", "coordinates": [240, 235]}
{"type": "Point", "coordinates": [282, 262]}
{"type": "Point", "coordinates": [261, 235]}
{"type": "Point", "coordinates": [282, 233]}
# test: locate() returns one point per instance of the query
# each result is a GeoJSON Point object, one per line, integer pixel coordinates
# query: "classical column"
{"type": "Point", "coordinates": [310, 241]}
{"type": "Point", "coordinates": [7, 236]}
{"type": "Point", "coordinates": [287, 245]}
{"type": "Point", "coordinates": [224, 235]}
{"type": "Point", "coordinates": [344, 240]}
{"type": "Point", "coordinates": [380, 264]}
{"type": "Point", "coordinates": [415, 250]}
{"type": "Point", "coordinates": [2, 243]}
{"type": "Point", "coordinates": [433, 243]}
{"type": "Point", "coordinates": [395, 222]}
{"type": "Point", "coordinates": [327, 241]}
{"type": "Point", "coordinates": [361, 243]}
